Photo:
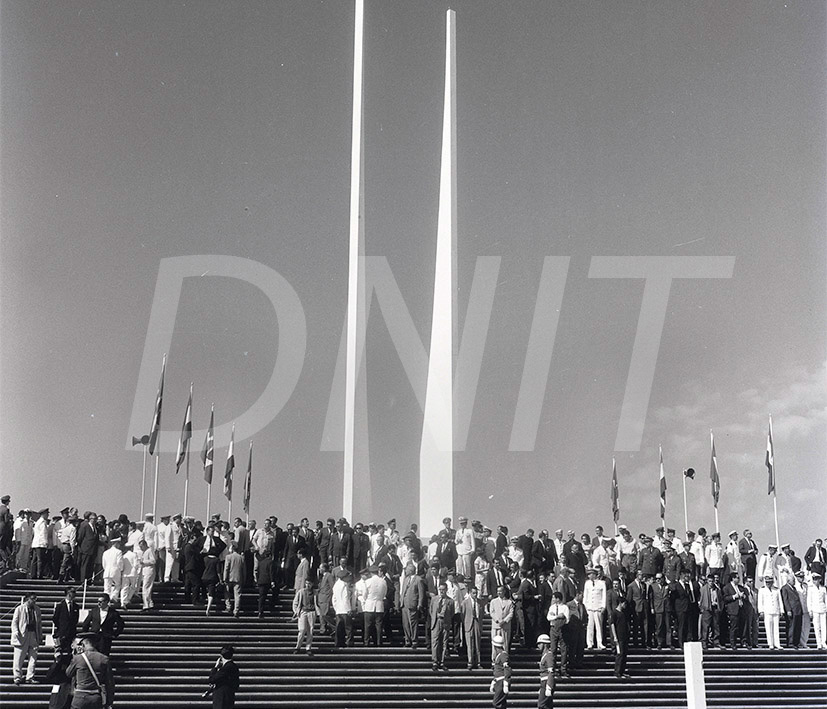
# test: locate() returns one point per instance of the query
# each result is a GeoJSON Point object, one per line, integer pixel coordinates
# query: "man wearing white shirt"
{"type": "Point", "coordinates": [373, 605]}
{"type": "Point", "coordinates": [558, 616]}
{"type": "Point", "coordinates": [770, 606]}
{"type": "Point", "coordinates": [558, 547]}
{"type": "Point", "coordinates": [594, 598]}
{"type": "Point", "coordinates": [765, 566]}
{"type": "Point", "coordinates": [715, 556]}
{"type": "Point", "coordinates": [733, 555]}
{"type": "Point", "coordinates": [67, 540]}
{"type": "Point", "coordinates": [817, 610]}
{"type": "Point", "coordinates": [344, 605]}
{"type": "Point", "coordinates": [781, 566]}
{"type": "Point", "coordinates": [41, 533]}
{"type": "Point", "coordinates": [600, 557]}
{"type": "Point", "coordinates": [464, 540]}
{"type": "Point", "coordinates": [697, 548]}
{"type": "Point", "coordinates": [129, 576]}
{"type": "Point", "coordinates": [150, 532]}
{"type": "Point", "coordinates": [801, 587]}
{"type": "Point", "coordinates": [161, 548]}
{"type": "Point", "coordinates": [112, 561]}
{"type": "Point", "coordinates": [659, 542]}
{"type": "Point", "coordinates": [172, 541]}
{"type": "Point", "coordinates": [146, 560]}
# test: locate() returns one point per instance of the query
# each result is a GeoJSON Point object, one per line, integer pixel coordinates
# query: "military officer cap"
{"type": "Point", "coordinates": [543, 639]}
{"type": "Point", "coordinates": [769, 578]}
{"type": "Point", "coordinates": [163, 517]}
{"type": "Point", "coordinates": [716, 535]}
{"type": "Point", "coordinates": [487, 529]}
{"type": "Point", "coordinates": [690, 533]}
{"type": "Point", "coordinates": [177, 515]}
{"type": "Point", "coordinates": [392, 521]}
{"type": "Point", "coordinates": [670, 531]}
{"type": "Point", "coordinates": [5, 498]}
{"type": "Point", "coordinates": [783, 546]}
{"type": "Point", "coordinates": [149, 515]}
{"type": "Point", "coordinates": [733, 532]}
{"type": "Point", "coordinates": [800, 574]}
{"type": "Point", "coordinates": [462, 518]}
{"type": "Point", "coordinates": [816, 575]}
{"type": "Point", "coordinates": [64, 511]}
{"type": "Point", "coordinates": [45, 509]}
{"type": "Point", "coordinates": [772, 546]}
{"type": "Point", "coordinates": [660, 530]}
{"type": "Point", "coordinates": [460, 578]}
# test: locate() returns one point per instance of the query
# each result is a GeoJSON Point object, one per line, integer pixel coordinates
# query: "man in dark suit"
{"type": "Point", "coordinates": [576, 559]}
{"type": "Point", "coordinates": [224, 680]}
{"type": "Point", "coordinates": [734, 597]}
{"type": "Point", "coordinates": [413, 600]}
{"type": "Point", "coordinates": [341, 542]}
{"type": "Point", "coordinates": [525, 542]}
{"type": "Point", "coordinates": [638, 598]}
{"type": "Point", "coordinates": [711, 605]}
{"type": "Point", "coordinates": [65, 623]}
{"type": "Point", "coordinates": [683, 597]}
{"type": "Point", "coordinates": [749, 553]}
{"type": "Point", "coordinates": [87, 546]}
{"type": "Point", "coordinates": [816, 558]}
{"type": "Point", "coordinates": [501, 542]}
{"type": "Point", "coordinates": [290, 561]}
{"type": "Point", "coordinates": [324, 537]}
{"type": "Point", "coordinates": [793, 610]}
{"type": "Point", "coordinates": [105, 622]}
{"type": "Point", "coordinates": [545, 589]}
{"type": "Point", "coordinates": [574, 632]}
{"type": "Point", "coordinates": [361, 547]}
{"type": "Point", "coordinates": [441, 614]}
{"type": "Point", "coordinates": [496, 577]}
{"type": "Point", "coordinates": [620, 634]}
{"type": "Point", "coordinates": [659, 608]}
{"type": "Point", "coordinates": [244, 546]}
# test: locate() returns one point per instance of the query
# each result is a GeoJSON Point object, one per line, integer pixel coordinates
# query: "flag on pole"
{"type": "Point", "coordinates": [770, 461]}
{"type": "Point", "coordinates": [186, 434]}
{"type": "Point", "coordinates": [228, 473]}
{"type": "Point", "coordinates": [208, 453]}
{"type": "Point", "coordinates": [156, 416]}
{"type": "Point", "coordinates": [662, 486]}
{"type": "Point", "coordinates": [713, 473]}
{"type": "Point", "coordinates": [615, 493]}
{"type": "Point", "coordinates": [248, 481]}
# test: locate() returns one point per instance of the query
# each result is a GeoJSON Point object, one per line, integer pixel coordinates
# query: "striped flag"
{"type": "Point", "coordinates": [186, 434]}
{"type": "Point", "coordinates": [615, 493]}
{"type": "Point", "coordinates": [208, 453]}
{"type": "Point", "coordinates": [713, 473]}
{"type": "Point", "coordinates": [662, 488]}
{"type": "Point", "coordinates": [248, 481]}
{"type": "Point", "coordinates": [155, 431]}
{"type": "Point", "coordinates": [228, 472]}
{"type": "Point", "coordinates": [770, 461]}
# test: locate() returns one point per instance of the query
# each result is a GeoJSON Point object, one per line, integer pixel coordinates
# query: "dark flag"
{"type": "Point", "coordinates": [615, 493]}
{"type": "Point", "coordinates": [228, 473]}
{"type": "Point", "coordinates": [208, 453]}
{"type": "Point", "coordinates": [156, 416]}
{"type": "Point", "coordinates": [248, 481]}
{"type": "Point", "coordinates": [186, 434]}
{"type": "Point", "coordinates": [713, 473]}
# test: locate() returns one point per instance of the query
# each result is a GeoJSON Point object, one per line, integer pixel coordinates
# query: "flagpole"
{"type": "Point", "coordinates": [155, 488]}
{"type": "Point", "coordinates": [717, 529]}
{"type": "Point", "coordinates": [771, 449]}
{"type": "Point", "coordinates": [143, 481]}
{"type": "Point", "coordinates": [685, 509]}
{"type": "Point", "coordinates": [209, 489]}
{"type": "Point", "coordinates": [187, 480]}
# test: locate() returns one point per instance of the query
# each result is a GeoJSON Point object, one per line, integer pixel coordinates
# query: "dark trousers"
{"type": "Point", "coordinates": [735, 625]}
{"type": "Point", "coordinates": [439, 641]}
{"type": "Point", "coordinates": [87, 701]}
{"type": "Point", "coordinates": [710, 627]}
{"type": "Point", "coordinates": [621, 655]}
{"type": "Point", "coordinates": [344, 630]}
{"type": "Point", "coordinates": [500, 697]}
{"type": "Point", "coordinates": [793, 630]}
{"type": "Point", "coordinates": [87, 567]}
{"type": "Point", "coordinates": [557, 640]}
{"type": "Point", "coordinates": [40, 563]}
{"type": "Point", "coordinates": [373, 625]}
{"type": "Point", "coordinates": [641, 627]}
{"type": "Point", "coordinates": [574, 637]}
{"type": "Point", "coordinates": [663, 631]}
{"type": "Point", "coordinates": [192, 586]}
{"type": "Point", "coordinates": [543, 701]}
{"type": "Point", "coordinates": [410, 625]}
{"type": "Point", "coordinates": [682, 618]}
{"type": "Point", "coordinates": [263, 593]}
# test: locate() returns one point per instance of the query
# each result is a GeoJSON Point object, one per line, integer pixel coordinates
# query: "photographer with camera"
{"type": "Point", "coordinates": [94, 686]}
{"type": "Point", "coordinates": [223, 680]}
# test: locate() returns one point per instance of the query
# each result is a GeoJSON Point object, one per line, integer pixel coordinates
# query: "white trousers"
{"type": "Point", "coordinates": [771, 626]}
{"type": "Point", "coordinates": [112, 586]}
{"type": "Point", "coordinates": [148, 574]}
{"type": "Point", "coordinates": [129, 586]}
{"type": "Point", "coordinates": [171, 566]}
{"type": "Point", "coordinates": [465, 566]}
{"type": "Point", "coordinates": [26, 651]}
{"type": "Point", "coordinates": [820, 624]}
{"type": "Point", "coordinates": [305, 622]}
{"type": "Point", "coordinates": [594, 629]}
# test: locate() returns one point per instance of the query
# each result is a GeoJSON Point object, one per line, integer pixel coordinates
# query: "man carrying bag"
{"type": "Point", "coordinates": [87, 668]}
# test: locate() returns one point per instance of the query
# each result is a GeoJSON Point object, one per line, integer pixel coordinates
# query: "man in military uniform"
{"type": "Point", "coordinates": [502, 673]}
{"type": "Point", "coordinates": [94, 685]}
{"type": "Point", "coordinates": [545, 697]}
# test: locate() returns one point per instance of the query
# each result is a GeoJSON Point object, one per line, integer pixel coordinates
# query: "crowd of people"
{"type": "Point", "coordinates": [563, 594]}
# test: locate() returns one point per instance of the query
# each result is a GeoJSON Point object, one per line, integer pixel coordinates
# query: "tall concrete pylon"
{"type": "Point", "coordinates": [356, 489]}
{"type": "Point", "coordinates": [436, 456]}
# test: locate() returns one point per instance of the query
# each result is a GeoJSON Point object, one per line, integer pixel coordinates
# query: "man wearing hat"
{"type": "Point", "coordinates": [92, 674]}
{"type": "Point", "coordinates": [344, 606]}
{"type": "Point", "coordinates": [715, 555]}
{"type": "Point", "coordinates": [545, 697]}
{"type": "Point", "coordinates": [224, 679]}
{"type": "Point", "coordinates": [151, 532]}
{"type": "Point", "coordinates": [40, 544]}
{"type": "Point", "coordinates": [782, 568]}
{"type": "Point", "coordinates": [659, 542]}
{"type": "Point", "coordinates": [817, 609]}
{"type": "Point", "coordinates": [441, 614]}
{"type": "Point", "coordinates": [464, 541]}
{"type": "Point", "coordinates": [650, 560]}
{"type": "Point", "coordinates": [771, 607]}
{"type": "Point", "coordinates": [6, 524]}
{"type": "Point", "coordinates": [502, 673]}
{"type": "Point", "coordinates": [766, 566]}
{"type": "Point", "coordinates": [594, 598]}
{"type": "Point", "coordinates": [732, 552]}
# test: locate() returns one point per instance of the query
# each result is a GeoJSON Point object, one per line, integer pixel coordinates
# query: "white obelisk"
{"type": "Point", "coordinates": [436, 457]}
{"type": "Point", "coordinates": [356, 460]}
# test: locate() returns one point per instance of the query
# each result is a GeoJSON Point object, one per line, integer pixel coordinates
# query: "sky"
{"type": "Point", "coordinates": [131, 133]}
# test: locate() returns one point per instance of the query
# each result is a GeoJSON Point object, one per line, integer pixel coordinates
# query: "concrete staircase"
{"type": "Point", "coordinates": [163, 658]}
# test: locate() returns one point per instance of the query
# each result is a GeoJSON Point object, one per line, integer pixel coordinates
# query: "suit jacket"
{"type": "Point", "coordinates": [791, 599]}
{"type": "Point", "coordinates": [225, 680]}
{"type": "Point", "coordinates": [466, 609]}
{"type": "Point", "coordinates": [500, 545]}
{"type": "Point", "coordinates": [545, 592]}
{"type": "Point", "coordinates": [734, 597]}
{"type": "Point", "coordinates": [567, 587]}
{"type": "Point", "coordinates": [87, 539]}
{"type": "Point", "coordinates": [112, 627]}
{"type": "Point", "coordinates": [747, 547]}
{"type": "Point", "coordinates": [658, 598]}
{"type": "Point", "coordinates": [20, 626]}
{"type": "Point", "coordinates": [638, 596]}
{"type": "Point", "coordinates": [361, 547]}
{"type": "Point", "coordinates": [323, 538]}
{"type": "Point", "coordinates": [679, 596]}
{"type": "Point", "coordinates": [413, 593]}
{"type": "Point", "coordinates": [496, 578]}
{"type": "Point", "coordinates": [243, 539]}
{"type": "Point", "coordinates": [448, 611]}
{"type": "Point", "coordinates": [341, 544]}
{"type": "Point", "coordinates": [708, 594]}
{"type": "Point", "coordinates": [234, 568]}
{"type": "Point", "coordinates": [526, 545]}
{"type": "Point", "coordinates": [65, 620]}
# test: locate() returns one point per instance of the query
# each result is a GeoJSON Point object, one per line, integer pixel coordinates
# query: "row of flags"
{"type": "Point", "coordinates": [690, 473]}
{"type": "Point", "coordinates": [208, 452]}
